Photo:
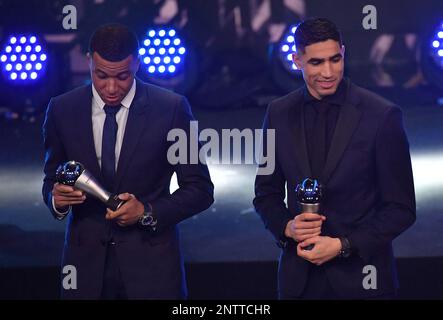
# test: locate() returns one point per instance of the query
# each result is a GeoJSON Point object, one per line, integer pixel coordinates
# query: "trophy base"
{"type": "Point", "coordinates": [114, 203]}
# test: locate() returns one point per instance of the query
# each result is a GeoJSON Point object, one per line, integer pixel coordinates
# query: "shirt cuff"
{"type": "Point", "coordinates": [60, 215]}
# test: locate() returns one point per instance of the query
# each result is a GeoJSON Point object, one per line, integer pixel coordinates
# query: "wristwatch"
{"type": "Point", "coordinates": [148, 219]}
{"type": "Point", "coordinates": [345, 250]}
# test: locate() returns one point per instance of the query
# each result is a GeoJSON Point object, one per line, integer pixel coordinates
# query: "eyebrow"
{"type": "Point", "coordinates": [338, 55]}
{"type": "Point", "coordinates": [119, 74]}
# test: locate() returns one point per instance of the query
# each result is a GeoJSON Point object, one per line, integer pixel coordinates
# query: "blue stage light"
{"type": "Point", "coordinates": [166, 50]}
{"type": "Point", "coordinates": [436, 47]}
{"type": "Point", "coordinates": [17, 56]}
{"type": "Point", "coordinates": [287, 48]}
{"type": "Point", "coordinates": [432, 55]}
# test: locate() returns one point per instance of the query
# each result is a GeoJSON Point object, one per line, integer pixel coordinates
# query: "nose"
{"type": "Point", "coordinates": [111, 87]}
{"type": "Point", "coordinates": [326, 71]}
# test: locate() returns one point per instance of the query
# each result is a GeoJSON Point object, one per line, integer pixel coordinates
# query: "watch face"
{"type": "Point", "coordinates": [147, 220]}
{"type": "Point", "coordinates": [345, 253]}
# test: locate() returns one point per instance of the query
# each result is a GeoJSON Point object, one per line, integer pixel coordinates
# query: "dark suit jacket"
{"type": "Point", "coordinates": [151, 264]}
{"type": "Point", "coordinates": [369, 189]}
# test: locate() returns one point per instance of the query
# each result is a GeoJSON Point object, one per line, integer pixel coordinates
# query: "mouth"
{"type": "Point", "coordinates": [326, 84]}
{"type": "Point", "coordinates": [112, 99]}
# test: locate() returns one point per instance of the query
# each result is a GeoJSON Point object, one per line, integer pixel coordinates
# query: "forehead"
{"type": "Point", "coordinates": [109, 66]}
{"type": "Point", "coordinates": [322, 50]}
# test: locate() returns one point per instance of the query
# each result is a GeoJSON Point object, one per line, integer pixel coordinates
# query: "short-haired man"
{"type": "Point", "coordinates": [353, 142]}
{"type": "Point", "coordinates": [117, 128]}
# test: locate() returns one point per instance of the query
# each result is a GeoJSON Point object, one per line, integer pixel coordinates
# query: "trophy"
{"type": "Point", "coordinates": [74, 174]}
{"type": "Point", "coordinates": [309, 194]}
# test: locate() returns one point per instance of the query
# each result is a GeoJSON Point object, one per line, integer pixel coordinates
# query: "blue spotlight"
{"type": "Point", "coordinates": [436, 47]}
{"type": "Point", "coordinates": [166, 51]}
{"type": "Point", "coordinates": [17, 59]}
{"type": "Point", "coordinates": [287, 48]}
{"type": "Point", "coordinates": [432, 55]}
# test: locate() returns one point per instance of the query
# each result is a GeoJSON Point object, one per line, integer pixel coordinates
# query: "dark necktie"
{"type": "Point", "coordinates": [108, 145]}
{"type": "Point", "coordinates": [319, 148]}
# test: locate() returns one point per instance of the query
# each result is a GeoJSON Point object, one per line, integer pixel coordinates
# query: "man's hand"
{"type": "Point", "coordinates": [65, 196]}
{"type": "Point", "coordinates": [304, 226]}
{"type": "Point", "coordinates": [129, 213]}
{"type": "Point", "coordinates": [325, 249]}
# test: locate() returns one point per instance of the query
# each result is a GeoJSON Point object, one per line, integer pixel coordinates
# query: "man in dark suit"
{"type": "Point", "coordinates": [354, 143]}
{"type": "Point", "coordinates": [117, 128]}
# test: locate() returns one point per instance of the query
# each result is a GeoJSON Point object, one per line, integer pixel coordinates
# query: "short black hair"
{"type": "Point", "coordinates": [315, 30]}
{"type": "Point", "coordinates": [114, 42]}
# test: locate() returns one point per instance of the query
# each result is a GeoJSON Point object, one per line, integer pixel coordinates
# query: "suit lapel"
{"type": "Point", "coordinates": [85, 133]}
{"type": "Point", "coordinates": [297, 123]}
{"type": "Point", "coordinates": [135, 126]}
{"type": "Point", "coordinates": [347, 122]}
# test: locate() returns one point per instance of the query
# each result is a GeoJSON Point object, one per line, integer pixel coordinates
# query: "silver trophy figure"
{"type": "Point", "coordinates": [74, 174]}
{"type": "Point", "coordinates": [309, 194]}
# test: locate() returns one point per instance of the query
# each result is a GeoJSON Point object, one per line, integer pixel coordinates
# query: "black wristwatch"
{"type": "Point", "coordinates": [148, 220]}
{"type": "Point", "coordinates": [345, 250]}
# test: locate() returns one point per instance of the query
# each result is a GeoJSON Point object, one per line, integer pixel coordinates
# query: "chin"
{"type": "Point", "coordinates": [328, 92]}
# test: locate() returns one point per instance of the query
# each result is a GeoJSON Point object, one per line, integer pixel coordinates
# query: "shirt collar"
{"type": "Point", "coordinates": [338, 98]}
{"type": "Point", "coordinates": [126, 102]}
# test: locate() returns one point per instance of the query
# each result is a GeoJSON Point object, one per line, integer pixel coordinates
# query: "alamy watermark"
{"type": "Point", "coordinates": [231, 147]}
{"type": "Point", "coordinates": [369, 21]}
{"type": "Point", "coordinates": [70, 279]}
{"type": "Point", "coordinates": [370, 278]}
{"type": "Point", "coordinates": [70, 17]}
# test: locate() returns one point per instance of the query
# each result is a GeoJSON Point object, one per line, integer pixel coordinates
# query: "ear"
{"type": "Point", "coordinates": [342, 50]}
{"type": "Point", "coordinates": [89, 57]}
{"type": "Point", "coordinates": [297, 60]}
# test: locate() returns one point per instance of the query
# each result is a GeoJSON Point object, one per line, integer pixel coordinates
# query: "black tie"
{"type": "Point", "coordinates": [319, 148]}
{"type": "Point", "coordinates": [108, 146]}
